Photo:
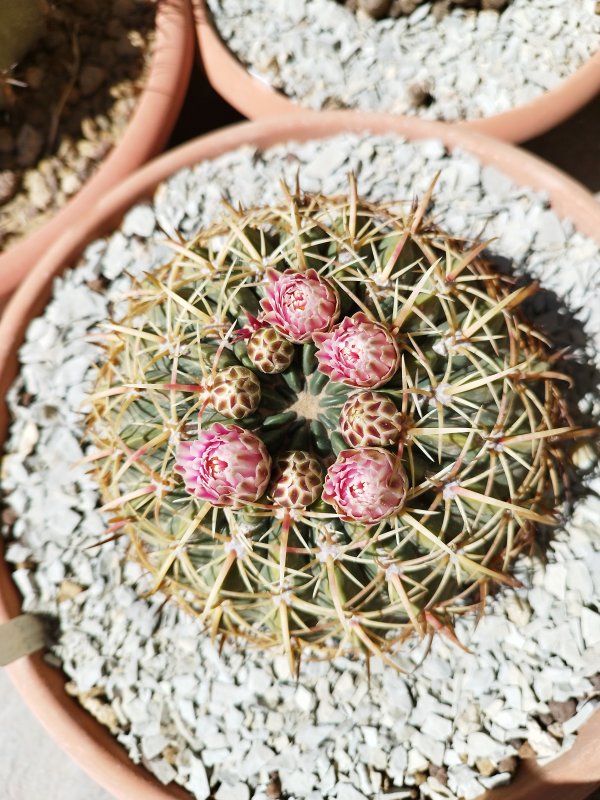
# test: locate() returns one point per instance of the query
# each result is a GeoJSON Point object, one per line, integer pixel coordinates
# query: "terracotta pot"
{"type": "Point", "coordinates": [256, 99]}
{"type": "Point", "coordinates": [146, 135]}
{"type": "Point", "coordinates": [570, 777]}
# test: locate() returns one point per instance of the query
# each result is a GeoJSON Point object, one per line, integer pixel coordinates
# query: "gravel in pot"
{"type": "Point", "coordinates": [450, 61]}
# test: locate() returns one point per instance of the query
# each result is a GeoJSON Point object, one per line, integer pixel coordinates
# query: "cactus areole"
{"type": "Point", "coordinates": [329, 424]}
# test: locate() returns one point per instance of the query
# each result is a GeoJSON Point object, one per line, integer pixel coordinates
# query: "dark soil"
{"type": "Point", "coordinates": [379, 9]}
{"type": "Point", "coordinates": [71, 98]}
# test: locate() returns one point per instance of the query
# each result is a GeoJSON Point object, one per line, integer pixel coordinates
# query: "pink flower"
{"type": "Point", "coordinates": [226, 465]}
{"type": "Point", "coordinates": [365, 485]}
{"type": "Point", "coordinates": [358, 352]}
{"type": "Point", "coordinates": [299, 303]}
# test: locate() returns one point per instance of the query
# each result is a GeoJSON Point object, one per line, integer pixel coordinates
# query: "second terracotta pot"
{"type": "Point", "coordinates": [257, 99]}
{"type": "Point", "coordinates": [147, 133]}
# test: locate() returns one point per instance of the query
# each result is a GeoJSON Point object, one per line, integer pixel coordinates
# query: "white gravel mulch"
{"type": "Point", "coordinates": [225, 722]}
{"type": "Point", "coordinates": [465, 66]}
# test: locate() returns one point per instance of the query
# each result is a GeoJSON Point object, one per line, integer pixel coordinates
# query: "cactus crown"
{"type": "Point", "coordinates": [328, 423]}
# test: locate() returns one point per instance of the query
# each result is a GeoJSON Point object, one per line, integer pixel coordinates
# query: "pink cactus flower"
{"type": "Point", "coordinates": [365, 485]}
{"type": "Point", "coordinates": [226, 465]}
{"type": "Point", "coordinates": [358, 352]}
{"type": "Point", "coordinates": [298, 304]}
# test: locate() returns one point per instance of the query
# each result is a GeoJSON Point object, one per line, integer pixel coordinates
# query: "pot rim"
{"type": "Point", "coordinates": [146, 134]}
{"type": "Point", "coordinates": [42, 687]}
{"type": "Point", "coordinates": [255, 98]}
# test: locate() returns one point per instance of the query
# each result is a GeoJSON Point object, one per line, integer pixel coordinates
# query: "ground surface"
{"type": "Point", "coordinates": [31, 765]}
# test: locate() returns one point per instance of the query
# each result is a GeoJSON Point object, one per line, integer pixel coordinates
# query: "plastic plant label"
{"type": "Point", "coordinates": [20, 637]}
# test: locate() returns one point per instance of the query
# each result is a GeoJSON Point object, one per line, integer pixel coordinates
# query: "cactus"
{"type": "Point", "coordinates": [22, 22]}
{"type": "Point", "coordinates": [330, 515]}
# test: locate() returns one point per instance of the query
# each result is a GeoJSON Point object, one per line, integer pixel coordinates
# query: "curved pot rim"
{"type": "Point", "coordinates": [42, 687]}
{"type": "Point", "coordinates": [255, 98]}
{"type": "Point", "coordinates": [145, 135]}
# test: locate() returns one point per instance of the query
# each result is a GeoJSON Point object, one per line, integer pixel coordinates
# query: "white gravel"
{"type": "Point", "coordinates": [225, 722]}
{"type": "Point", "coordinates": [473, 64]}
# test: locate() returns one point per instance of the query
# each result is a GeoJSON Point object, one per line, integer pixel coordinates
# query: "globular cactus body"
{"type": "Point", "coordinates": [329, 514]}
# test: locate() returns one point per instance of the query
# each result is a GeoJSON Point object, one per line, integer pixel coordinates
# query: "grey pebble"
{"type": "Point", "coordinates": [9, 183]}
{"type": "Point", "coordinates": [140, 221]}
{"type": "Point", "coordinates": [38, 190]}
{"type": "Point", "coordinates": [346, 791]}
{"type": "Point", "coordinates": [30, 142]}
{"type": "Point", "coordinates": [198, 780]}
{"type": "Point", "coordinates": [91, 79]}
{"type": "Point", "coordinates": [236, 791]}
